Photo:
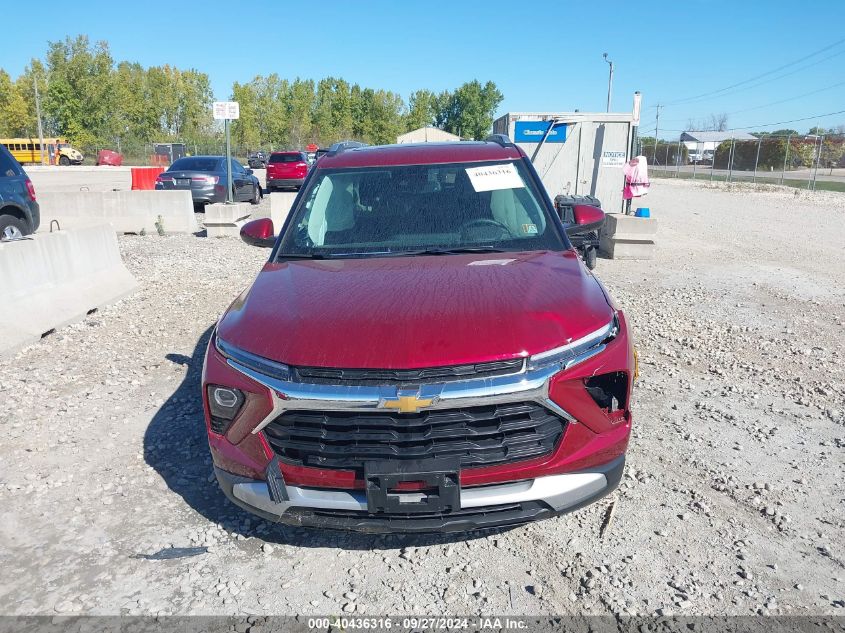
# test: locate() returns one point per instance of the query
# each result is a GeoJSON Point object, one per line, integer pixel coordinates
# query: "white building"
{"type": "Point", "coordinates": [427, 134]}
{"type": "Point", "coordinates": [707, 141]}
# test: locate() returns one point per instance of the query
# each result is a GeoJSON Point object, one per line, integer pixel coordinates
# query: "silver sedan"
{"type": "Point", "coordinates": [205, 178]}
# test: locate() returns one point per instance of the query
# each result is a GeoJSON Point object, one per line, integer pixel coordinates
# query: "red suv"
{"type": "Point", "coordinates": [423, 351]}
{"type": "Point", "coordinates": [286, 170]}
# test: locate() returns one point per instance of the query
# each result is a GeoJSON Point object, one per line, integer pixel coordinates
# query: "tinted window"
{"type": "Point", "coordinates": [195, 163]}
{"type": "Point", "coordinates": [287, 158]}
{"type": "Point", "coordinates": [8, 165]}
{"type": "Point", "coordinates": [391, 210]}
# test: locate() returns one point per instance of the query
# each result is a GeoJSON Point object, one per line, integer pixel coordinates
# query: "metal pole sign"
{"type": "Point", "coordinates": [227, 111]}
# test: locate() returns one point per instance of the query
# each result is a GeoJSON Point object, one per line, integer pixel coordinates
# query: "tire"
{"type": "Point", "coordinates": [256, 194]}
{"type": "Point", "coordinates": [64, 160]}
{"type": "Point", "coordinates": [589, 253]}
{"type": "Point", "coordinates": [12, 227]}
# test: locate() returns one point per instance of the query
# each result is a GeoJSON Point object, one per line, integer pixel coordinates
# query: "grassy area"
{"type": "Point", "coordinates": [704, 175]}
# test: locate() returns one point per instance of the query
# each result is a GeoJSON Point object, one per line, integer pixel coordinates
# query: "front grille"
{"type": "Point", "coordinates": [476, 436]}
{"type": "Point", "coordinates": [403, 377]}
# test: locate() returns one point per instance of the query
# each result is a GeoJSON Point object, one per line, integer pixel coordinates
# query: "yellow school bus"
{"type": "Point", "coordinates": [57, 151]}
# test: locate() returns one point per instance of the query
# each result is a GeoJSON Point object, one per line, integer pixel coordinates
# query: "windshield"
{"type": "Point", "coordinates": [403, 210]}
{"type": "Point", "coordinates": [195, 164]}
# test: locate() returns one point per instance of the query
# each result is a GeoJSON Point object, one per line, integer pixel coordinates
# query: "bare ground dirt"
{"type": "Point", "coordinates": [733, 500]}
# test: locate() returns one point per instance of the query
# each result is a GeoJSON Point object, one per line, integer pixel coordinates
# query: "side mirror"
{"type": "Point", "coordinates": [259, 233]}
{"type": "Point", "coordinates": [248, 170]}
{"type": "Point", "coordinates": [587, 219]}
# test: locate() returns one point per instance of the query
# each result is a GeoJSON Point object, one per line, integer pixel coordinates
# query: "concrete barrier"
{"type": "Point", "coordinates": [280, 204]}
{"type": "Point", "coordinates": [628, 237]}
{"type": "Point", "coordinates": [126, 211]}
{"type": "Point", "coordinates": [57, 278]}
{"type": "Point", "coordinates": [226, 220]}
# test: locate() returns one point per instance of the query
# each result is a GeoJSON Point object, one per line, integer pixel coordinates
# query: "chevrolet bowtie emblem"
{"type": "Point", "coordinates": [406, 404]}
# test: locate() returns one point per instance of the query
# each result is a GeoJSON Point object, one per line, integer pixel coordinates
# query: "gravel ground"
{"type": "Point", "coordinates": [732, 502]}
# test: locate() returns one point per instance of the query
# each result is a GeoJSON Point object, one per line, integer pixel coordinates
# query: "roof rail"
{"type": "Point", "coordinates": [342, 146]}
{"type": "Point", "coordinates": [501, 139]}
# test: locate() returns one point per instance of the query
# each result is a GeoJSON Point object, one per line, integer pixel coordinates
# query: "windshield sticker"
{"type": "Point", "coordinates": [493, 177]}
{"type": "Point", "coordinates": [529, 229]}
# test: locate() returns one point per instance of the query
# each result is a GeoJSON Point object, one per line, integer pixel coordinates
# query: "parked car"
{"type": "Point", "coordinates": [286, 170]}
{"type": "Point", "coordinates": [107, 157]}
{"type": "Point", "coordinates": [19, 211]}
{"type": "Point", "coordinates": [423, 351]}
{"type": "Point", "coordinates": [257, 160]}
{"type": "Point", "coordinates": [205, 177]}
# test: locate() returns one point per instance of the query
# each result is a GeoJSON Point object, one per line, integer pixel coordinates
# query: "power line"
{"type": "Point", "coordinates": [807, 118]}
{"type": "Point", "coordinates": [767, 73]}
{"type": "Point", "coordinates": [766, 105]}
{"type": "Point", "coordinates": [778, 77]}
{"type": "Point", "coordinates": [806, 94]}
{"type": "Point", "coordinates": [754, 127]}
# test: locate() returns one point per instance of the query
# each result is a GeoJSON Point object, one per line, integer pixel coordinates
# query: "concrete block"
{"type": "Point", "coordinates": [126, 211]}
{"type": "Point", "coordinates": [618, 224]}
{"type": "Point", "coordinates": [628, 249]}
{"type": "Point", "coordinates": [628, 237]}
{"type": "Point", "coordinates": [226, 220]}
{"type": "Point", "coordinates": [55, 279]}
{"type": "Point", "coordinates": [280, 205]}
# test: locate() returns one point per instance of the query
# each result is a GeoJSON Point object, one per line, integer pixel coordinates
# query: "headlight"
{"type": "Point", "coordinates": [260, 364]}
{"type": "Point", "coordinates": [223, 404]}
{"type": "Point", "coordinates": [576, 351]}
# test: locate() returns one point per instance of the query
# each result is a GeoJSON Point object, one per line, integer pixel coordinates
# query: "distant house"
{"type": "Point", "coordinates": [700, 142]}
{"type": "Point", "coordinates": [427, 134]}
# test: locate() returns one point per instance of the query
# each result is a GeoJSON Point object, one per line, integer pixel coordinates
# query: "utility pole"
{"type": "Point", "coordinates": [38, 115]}
{"type": "Point", "coordinates": [609, 82]}
{"type": "Point", "coordinates": [656, 130]}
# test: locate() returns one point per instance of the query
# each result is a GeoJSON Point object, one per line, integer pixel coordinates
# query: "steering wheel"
{"type": "Point", "coordinates": [485, 222]}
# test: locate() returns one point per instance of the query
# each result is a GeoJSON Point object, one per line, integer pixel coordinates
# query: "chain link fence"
{"type": "Point", "coordinates": [809, 161]}
{"type": "Point", "coordinates": [141, 154]}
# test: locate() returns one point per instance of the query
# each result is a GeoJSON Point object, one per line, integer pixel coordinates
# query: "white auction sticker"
{"type": "Point", "coordinates": [492, 177]}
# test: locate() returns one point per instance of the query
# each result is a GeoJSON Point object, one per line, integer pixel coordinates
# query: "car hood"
{"type": "Point", "coordinates": [409, 312]}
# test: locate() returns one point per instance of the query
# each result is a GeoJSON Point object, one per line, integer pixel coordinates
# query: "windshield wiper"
{"type": "Point", "coordinates": [452, 251]}
{"type": "Point", "coordinates": [281, 256]}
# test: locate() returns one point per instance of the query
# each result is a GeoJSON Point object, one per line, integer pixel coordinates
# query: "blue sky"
{"type": "Point", "coordinates": [543, 55]}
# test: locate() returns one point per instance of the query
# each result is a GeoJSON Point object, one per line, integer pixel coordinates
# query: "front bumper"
{"type": "Point", "coordinates": [481, 507]}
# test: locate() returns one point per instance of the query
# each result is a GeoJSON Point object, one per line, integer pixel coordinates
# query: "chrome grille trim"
{"type": "Point", "coordinates": [526, 385]}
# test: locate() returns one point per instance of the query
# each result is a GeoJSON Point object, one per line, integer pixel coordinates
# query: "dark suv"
{"type": "Point", "coordinates": [257, 160]}
{"type": "Point", "coordinates": [19, 212]}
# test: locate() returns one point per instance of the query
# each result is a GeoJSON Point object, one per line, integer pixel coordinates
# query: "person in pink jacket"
{"type": "Point", "coordinates": [636, 180]}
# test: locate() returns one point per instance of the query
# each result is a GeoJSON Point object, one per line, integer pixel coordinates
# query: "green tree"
{"type": "Point", "coordinates": [15, 116]}
{"type": "Point", "coordinates": [471, 109]}
{"type": "Point", "coordinates": [80, 95]}
{"type": "Point", "coordinates": [300, 104]}
{"type": "Point", "coordinates": [246, 131]}
{"type": "Point", "coordinates": [422, 107]}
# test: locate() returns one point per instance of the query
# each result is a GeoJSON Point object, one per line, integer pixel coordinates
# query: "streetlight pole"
{"type": "Point", "coordinates": [38, 115]}
{"type": "Point", "coordinates": [609, 82]}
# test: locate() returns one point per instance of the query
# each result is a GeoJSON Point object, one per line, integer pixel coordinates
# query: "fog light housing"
{"type": "Point", "coordinates": [224, 403]}
{"type": "Point", "coordinates": [609, 391]}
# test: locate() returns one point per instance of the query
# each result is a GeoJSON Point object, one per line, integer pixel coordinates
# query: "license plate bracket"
{"type": "Point", "coordinates": [182, 182]}
{"type": "Point", "coordinates": [441, 489]}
